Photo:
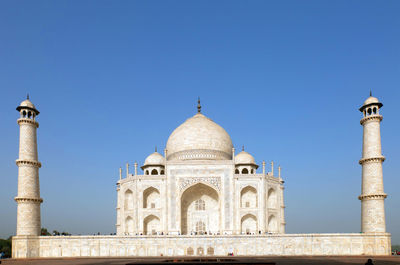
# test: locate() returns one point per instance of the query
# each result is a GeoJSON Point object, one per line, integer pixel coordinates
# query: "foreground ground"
{"type": "Point", "coordinates": [330, 260]}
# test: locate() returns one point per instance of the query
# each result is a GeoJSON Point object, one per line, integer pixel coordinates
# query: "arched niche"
{"type": "Point", "coordinates": [272, 198]}
{"type": "Point", "coordinates": [151, 225]}
{"type": "Point", "coordinates": [272, 224]}
{"type": "Point", "coordinates": [128, 202]}
{"type": "Point", "coordinates": [248, 197]}
{"type": "Point", "coordinates": [249, 224]}
{"type": "Point", "coordinates": [191, 214]}
{"type": "Point", "coordinates": [151, 198]}
{"type": "Point", "coordinates": [129, 225]}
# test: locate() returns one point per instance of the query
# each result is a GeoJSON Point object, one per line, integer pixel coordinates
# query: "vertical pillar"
{"type": "Point", "coordinates": [135, 168]}
{"type": "Point", "coordinates": [263, 167]}
{"type": "Point", "coordinates": [272, 168]}
{"type": "Point", "coordinates": [372, 195]}
{"type": "Point", "coordinates": [28, 198]}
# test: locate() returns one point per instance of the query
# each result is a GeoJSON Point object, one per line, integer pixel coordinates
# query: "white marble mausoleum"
{"type": "Point", "coordinates": [200, 187]}
{"type": "Point", "coordinates": [200, 197]}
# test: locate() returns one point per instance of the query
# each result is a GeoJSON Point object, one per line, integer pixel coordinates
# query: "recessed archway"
{"type": "Point", "coordinates": [128, 202]}
{"type": "Point", "coordinates": [272, 198]}
{"type": "Point", "coordinates": [151, 225]}
{"type": "Point", "coordinates": [248, 197]}
{"type": "Point", "coordinates": [129, 225]}
{"type": "Point", "coordinates": [272, 224]}
{"type": "Point", "coordinates": [199, 205]}
{"type": "Point", "coordinates": [249, 224]}
{"type": "Point", "coordinates": [151, 198]}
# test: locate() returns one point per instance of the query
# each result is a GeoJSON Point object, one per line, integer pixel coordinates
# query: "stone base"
{"type": "Point", "coordinates": [169, 245]}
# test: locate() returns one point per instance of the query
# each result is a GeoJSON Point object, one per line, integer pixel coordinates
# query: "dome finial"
{"type": "Point", "coordinates": [242, 147]}
{"type": "Point", "coordinates": [156, 149]}
{"type": "Point", "coordinates": [27, 96]}
{"type": "Point", "coordinates": [198, 105]}
{"type": "Point", "coordinates": [370, 92]}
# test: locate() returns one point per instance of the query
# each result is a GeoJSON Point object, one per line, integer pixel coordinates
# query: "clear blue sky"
{"type": "Point", "coordinates": [112, 79]}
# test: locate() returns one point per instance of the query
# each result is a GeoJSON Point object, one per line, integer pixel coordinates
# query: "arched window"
{"type": "Point", "coordinates": [151, 225]}
{"type": "Point", "coordinates": [374, 110]}
{"type": "Point", "coordinates": [190, 251]}
{"type": "Point", "coordinates": [236, 171]}
{"type": "Point", "coordinates": [245, 171]}
{"type": "Point", "coordinates": [147, 172]}
{"type": "Point", "coordinates": [210, 251]}
{"type": "Point", "coordinates": [24, 114]}
{"type": "Point", "coordinates": [128, 204]}
{"type": "Point", "coordinates": [249, 224]}
{"type": "Point", "coordinates": [154, 172]}
{"type": "Point", "coordinates": [200, 227]}
{"type": "Point", "coordinates": [272, 198]}
{"type": "Point", "coordinates": [272, 224]}
{"type": "Point", "coordinates": [248, 197]}
{"type": "Point", "coordinates": [369, 111]}
{"type": "Point", "coordinates": [29, 114]}
{"type": "Point", "coordinates": [200, 205]}
{"type": "Point", "coordinates": [129, 225]}
{"type": "Point", "coordinates": [151, 197]}
{"type": "Point", "coordinates": [162, 172]}
{"type": "Point", "coordinates": [200, 251]}
{"type": "Point", "coordinates": [252, 171]}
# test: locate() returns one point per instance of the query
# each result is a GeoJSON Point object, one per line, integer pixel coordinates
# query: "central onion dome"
{"type": "Point", "coordinates": [199, 138]}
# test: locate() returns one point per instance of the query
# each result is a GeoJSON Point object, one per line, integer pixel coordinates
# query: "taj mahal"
{"type": "Point", "coordinates": [200, 197]}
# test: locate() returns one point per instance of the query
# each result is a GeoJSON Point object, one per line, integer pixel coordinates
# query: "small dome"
{"type": "Point", "coordinates": [199, 138]}
{"type": "Point", "coordinates": [244, 158]}
{"type": "Point", "coordinates": [28, 105]}
{"type": "Point", "coordinates": [371, 100]}
{"type": "Point", "coordinates": [155, 159]}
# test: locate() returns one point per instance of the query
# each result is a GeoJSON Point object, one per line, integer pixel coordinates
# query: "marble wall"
{"type": "Point", "coordinates": [258, 245]}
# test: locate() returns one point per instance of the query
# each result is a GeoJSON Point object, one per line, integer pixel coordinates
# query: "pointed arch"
{"type": "Point", "coordinates": [249, 224]}
{"type": "Point", "coordinates": [272, 224]}
{"type": "Point", "coordinates": [248, 197]}
{"type": "Point", "coordinates": [190, 251]}
{"type": "Point", "coordinates": [210, 251]}
{"type": "Point", "coordinates": [151, 225]}
{"type": "Point", "coordinates": [207, 199]}
{"type": "Point", "coordinates": [272, 198]}
{"type": "Point", "coordinates": [128, 201]}
{"type": "Point", "coordinates": [151, 198]}
{"type": "Point", "coordinates": [129, 225]}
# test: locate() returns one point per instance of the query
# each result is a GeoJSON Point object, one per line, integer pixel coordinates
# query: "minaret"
{"type": "Point", "coordinates": [28, 199]}
{"type": "Point", "coordinates": [372, 196]}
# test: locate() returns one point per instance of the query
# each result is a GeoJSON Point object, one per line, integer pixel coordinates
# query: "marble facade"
{"type": "Point", "coordinates": [200, 198]}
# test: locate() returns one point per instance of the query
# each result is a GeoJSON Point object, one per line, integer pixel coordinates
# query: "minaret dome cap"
{"type": "Point", "coordinates": [27, 104]}
{"type": "Point", "coordinates": [370, 101]}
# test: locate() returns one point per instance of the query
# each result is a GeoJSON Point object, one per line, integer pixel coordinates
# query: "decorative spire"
{"type": "Point", "coordinates": [156, 149]}
{"type": "Point", "coordinates": [27, 96]}
{"type": "Point", "coordinates": [242, 147]}
{"type": "Point", "coordinates": [370, 92]}
{"type": "Point", "coordinates": [198, 106]}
